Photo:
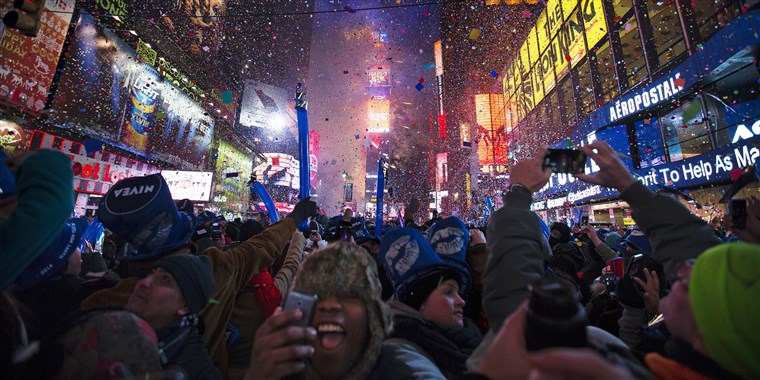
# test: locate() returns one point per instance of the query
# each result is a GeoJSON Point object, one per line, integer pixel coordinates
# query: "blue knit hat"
{"type": "Point", "coordinates": [638, 241]}
{"type": "Point", "coordinates": [450, 239]}
{"type": "Point", "coordinates": [408, 258]}
{"type": "Point", "coordinates": [53, 258]}
{"type": "Point", "coordinates": [141, 211]}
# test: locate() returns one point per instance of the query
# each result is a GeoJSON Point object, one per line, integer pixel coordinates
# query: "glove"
{"type": "Point", "coordinates": [304, 209]}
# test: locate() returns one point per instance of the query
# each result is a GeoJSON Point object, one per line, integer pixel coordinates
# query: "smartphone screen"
{"type": "Point", "coordinates": [738, 213]}
{"type": "Point", "coordinates": [306, 302]}
{"type": "Point", "coordinates": [565, 161]}
{"type": "Point", "coordinates": [584, 220]}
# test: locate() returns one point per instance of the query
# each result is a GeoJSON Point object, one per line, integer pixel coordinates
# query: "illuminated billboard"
{"type": "Point", "coordinates": [279, 169]}
{"type": "Point", "coordinates": [266, 106]}
{"type": "Point", "coordinates": [551, 48]}
{"type": "Point", "coordinates": [378, 116]}
{"type": "Point", "coordinates": [27, 64]}
{"type": "Point", "coordinates": [233, 170]}
{"type": "Point", "coordinates": [379, 76]}
{"type": "Point", "coordinates": [96, 172]}
{"type": "Point", "coordinates": [438, 56]}
{"type": "Point", "coordinates": [104, 91]}
{"type": "Point", "coordinates": [489, 110]}
{"type": "Point", "coordinates": [195, 186]}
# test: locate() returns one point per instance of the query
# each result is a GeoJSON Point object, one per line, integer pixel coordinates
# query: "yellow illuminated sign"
{"type": "Point", "coordinates": [572, 39]}
{"type": "Point", "coordinates": [524, 59]}
{"type": "Point", "coordinates": [593, 20]}
{"type": "Point", "coordinates": [532, 42]}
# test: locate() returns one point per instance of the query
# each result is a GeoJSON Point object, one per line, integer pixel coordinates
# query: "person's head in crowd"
{"type": "Point", "coordinates": [61, 257]}
{"type": "Point", "coordinates": [450, 239]}
{"type": "Point", "coordinates": [422, 280]}
{"type": "Point", "coordinates": [351, 318]}
{"type": "Point", "coordinates": [141, 211]}
{"type": "Point", "coordinates": [477, 255]}
{"type": "Point", "coordinates": [559, 233]}
{"type": "Point", "coordinates": [114, 344]}
{"type": "Point", "coordinates": [249, 229]}
{"type": "Point", "coordinates": [612, 239]}
{"type": "Point", "coordinates": [636, 242]}
{"type": "Point", "coordinates": [348, 213]}
{"type": "Point", "coordinates": [176, 286]}
{"type": "Point", "coordinates": [713, 306]}
{"type": "Point", "coordinates": [576, 229]}
{"type": "Point", "coordinates": [231, 231]}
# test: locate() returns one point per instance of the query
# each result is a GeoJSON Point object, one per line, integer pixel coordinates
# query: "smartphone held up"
{"type": "Point", "coordinates": [565, 161]}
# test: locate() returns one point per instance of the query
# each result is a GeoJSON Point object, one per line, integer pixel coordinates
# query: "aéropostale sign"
{"type": "Point", "coordinates": [94, 173]}
{"type": "Point", "coordinates": [27, 64]}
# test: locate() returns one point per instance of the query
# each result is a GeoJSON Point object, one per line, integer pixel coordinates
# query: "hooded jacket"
{"type": "Point", "coordinates": [232, 269]}
{"type": "Point", "coordinates": [448, 348]}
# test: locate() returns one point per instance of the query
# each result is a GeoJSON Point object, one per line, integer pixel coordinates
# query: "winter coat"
{"type": "Point", "coordinates": [400, 360]}
{"type": "Point", "coordinates": [517, 251]}
{"type": "Point", "coordinates": [45, 194]}
{"type": "Point", "coordinates": [447, 347]}
{"type": "Point", "coordinates": [232, 270]}
{"type": "Point", "coordinates": [247, 316]}
{"type": "Point", "coordinates": [183, 346]}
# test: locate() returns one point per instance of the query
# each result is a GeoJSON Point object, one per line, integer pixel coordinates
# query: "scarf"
{"type": "Point", "coordinates": [267, 294]}
{"type": "Point", "coordinates": [449, 347]}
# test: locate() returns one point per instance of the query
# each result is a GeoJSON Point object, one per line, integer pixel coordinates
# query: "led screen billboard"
{"type": "Point", "coordinates": [195, 186]}
{"type": "Point", "coordinates": [105, 92]}
{"type": "Point", "coordinates": [266, 106]}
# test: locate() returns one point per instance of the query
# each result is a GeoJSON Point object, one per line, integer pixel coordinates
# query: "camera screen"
{"type": "Point", "coordinates": [565, 161]}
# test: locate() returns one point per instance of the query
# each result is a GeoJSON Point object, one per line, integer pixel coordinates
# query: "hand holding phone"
{"type": "Point", "coordinates": [565, 161]}
{"type": "Point", "coordinates": [305, 302]}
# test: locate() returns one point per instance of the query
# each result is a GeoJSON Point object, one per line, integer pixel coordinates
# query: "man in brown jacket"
{"type": "Point", "coordinates": [140, 210]}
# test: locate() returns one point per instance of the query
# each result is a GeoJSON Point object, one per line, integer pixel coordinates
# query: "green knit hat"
{"type": "Point", "coordinates": [724, 292]}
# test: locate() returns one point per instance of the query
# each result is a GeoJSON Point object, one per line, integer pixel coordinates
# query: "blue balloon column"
{"type": "Point", "coordinates": [258, 188]}
{"type": "Point", "coordinates": [379, 199]}
{"type": "Point", "coordinates": [303, 143]}
{"type": "Point", "coordinates": [303, 150]}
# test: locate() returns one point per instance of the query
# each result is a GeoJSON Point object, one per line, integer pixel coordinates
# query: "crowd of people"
{"type": "Point", "coordinates": [147, 288]}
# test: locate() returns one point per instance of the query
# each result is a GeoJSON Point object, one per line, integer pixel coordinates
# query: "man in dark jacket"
{"type": "Point", "coordinates": [169, 298]}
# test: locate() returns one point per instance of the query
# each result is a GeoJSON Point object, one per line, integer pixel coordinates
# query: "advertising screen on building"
{"type": "Point", "coordinates": [27, 64]}
{"type": "Point", "coordinates": [94, 173]}
{"type": "Point", "coordinates": [195, 186]}
{"type": "Point", "coordinates": [379, 76]}
{"type": "Point", "coordinates": [105, 92]}
{"type": "Point", "coordinates": [280, 169]}
{"type": "Point", "coordinates": [378, 116]}
{"type": "Point", "coordinates": [266, 106]}
{"type": "Point", "coordinates": [233, 171]}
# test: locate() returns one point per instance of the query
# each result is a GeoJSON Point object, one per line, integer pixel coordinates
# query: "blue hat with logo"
{"type": "Point", "coordinates": [53, 258]}
{"type": "Point", "coordinates": [141, 211]}
{"type": "Point", "coordinates": [408, 258]}
{"type": "Point", "coordinates": [450, 239]}
{"type": "Point", "coordinates": [359, 230]}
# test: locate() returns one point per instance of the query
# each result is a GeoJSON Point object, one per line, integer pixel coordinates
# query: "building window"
{"type": "Point", "coordinates": [733, 105]}
{"type": "Point", "coordinates": [554, 113]}
{"type": "Point", "coordinates": [585, 89]}
{"type": "Point", "coordinates": [685, 130]}
{"type": "Point", "coordinates": [568, 110]}
{"type": "Point", "coordinates": [633, 53]}
{"type": "Point", "coordinates": [607, 77]}
{"type": "Point", "coordinates": [711, 15]}
{"type": "Point", "coordinates": [666, 29]}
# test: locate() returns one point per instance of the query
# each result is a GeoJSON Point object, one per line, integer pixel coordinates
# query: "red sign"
{"type": "Point", "coordinates": [94, 173]}
{"type": "Point", "coordinates": [27, 64]}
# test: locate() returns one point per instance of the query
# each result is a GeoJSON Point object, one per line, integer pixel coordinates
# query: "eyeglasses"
{"type": "Point", "coordinates": [683, 272]}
